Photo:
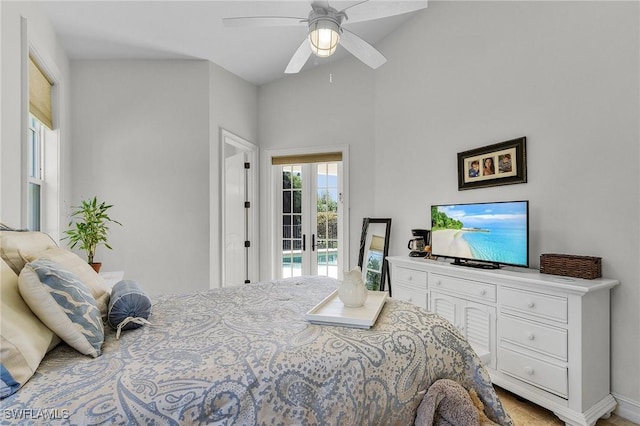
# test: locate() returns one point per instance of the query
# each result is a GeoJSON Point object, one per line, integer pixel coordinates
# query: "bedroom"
{"type": "Point", "coordinates": [565, 75]}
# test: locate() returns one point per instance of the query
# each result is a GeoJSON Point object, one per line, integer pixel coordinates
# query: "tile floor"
{"type": "Point", "coordinates": [525, 413]}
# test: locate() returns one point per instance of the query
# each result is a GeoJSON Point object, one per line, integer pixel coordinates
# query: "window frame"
{"type": "Point", "coordinates": [36, 172]}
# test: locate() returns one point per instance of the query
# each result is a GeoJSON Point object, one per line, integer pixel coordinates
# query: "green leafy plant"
{"type": "Point", "coordinates": [89, 226]}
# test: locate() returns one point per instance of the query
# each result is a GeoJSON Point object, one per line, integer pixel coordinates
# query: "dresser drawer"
{"type": "Point", "coordinates": [475, 290]}
{"type": "Point", "coordinates": [548, 340]}
{"type": "Point", "coordinates": [552, 378]}
{"type": "Point", "coordinates": [410, 294]}
{"type": "Point", "coordinates": [409, 275]}
{"type": "Point", "coordinates": [534, 304]}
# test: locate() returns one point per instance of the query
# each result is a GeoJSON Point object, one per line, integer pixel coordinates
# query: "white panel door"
{"type": "Point", "coordinates": [239, 224]}
{"type": "Point", "coordinates": [235, 259]}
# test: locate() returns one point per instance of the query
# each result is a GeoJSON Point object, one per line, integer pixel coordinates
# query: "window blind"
{"type": "Point", "coordinates": [325, 157]}
{"type": "Point", "coordinates": [39, 95]}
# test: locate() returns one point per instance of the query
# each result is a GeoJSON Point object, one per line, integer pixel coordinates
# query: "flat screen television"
{"type": "Point", "coordinates": [484, 235]}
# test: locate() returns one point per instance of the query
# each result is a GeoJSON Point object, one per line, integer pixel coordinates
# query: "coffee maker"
{"type": "Point", "coordinates": [420, 243]}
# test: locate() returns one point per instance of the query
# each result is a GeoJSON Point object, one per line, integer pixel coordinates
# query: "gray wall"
{"type": "Point", "coordinates": [462, 75]}
{"type": "Point", "coordinates": [147, 142]}
{"type": "Point", "coordinates": [307, 110]}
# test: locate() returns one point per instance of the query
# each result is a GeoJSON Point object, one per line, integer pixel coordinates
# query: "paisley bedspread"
{"type": "Point", "coordinates": [245, 356]}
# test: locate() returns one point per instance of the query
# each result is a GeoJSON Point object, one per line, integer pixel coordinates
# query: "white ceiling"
{"type": "Point", "coordinates": [194, 30]}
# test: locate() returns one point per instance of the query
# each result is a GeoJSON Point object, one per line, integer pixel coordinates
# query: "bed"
{"type": "Point", "coordinates": [247, 356]}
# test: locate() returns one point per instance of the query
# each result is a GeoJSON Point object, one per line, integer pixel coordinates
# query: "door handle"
{"type": "Point", "coordinates": [304, 242]}
{"type": "Point", "coordinates": [313, 242]}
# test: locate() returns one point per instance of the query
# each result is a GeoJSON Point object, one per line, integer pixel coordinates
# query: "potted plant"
{"type": "Point", "coordinates": [89, 224]}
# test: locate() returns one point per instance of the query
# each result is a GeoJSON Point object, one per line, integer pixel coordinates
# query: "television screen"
{"type": "Point", "coordinates": [490, 233]}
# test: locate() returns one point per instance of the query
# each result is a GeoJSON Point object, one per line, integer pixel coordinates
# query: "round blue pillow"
{"type": "Point", "coordinates": [128, 301]}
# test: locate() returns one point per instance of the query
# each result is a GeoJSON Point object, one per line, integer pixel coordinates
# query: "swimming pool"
{"type": "Point", "coordinates": [327, 263]}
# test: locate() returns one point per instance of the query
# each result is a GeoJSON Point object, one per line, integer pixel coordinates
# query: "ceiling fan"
{"type": "Point", "coordinates": [326, 28]}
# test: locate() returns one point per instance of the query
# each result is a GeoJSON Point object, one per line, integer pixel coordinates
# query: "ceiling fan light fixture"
{"type": "Point", "coordinates": [324, 35]}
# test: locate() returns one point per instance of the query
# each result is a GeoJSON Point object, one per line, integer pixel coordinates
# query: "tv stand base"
{"type": "Point", "coordinates": [478, 265]}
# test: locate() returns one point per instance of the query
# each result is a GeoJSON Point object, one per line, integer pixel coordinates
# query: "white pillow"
{"type": "Point", "coordinates": [13, 242]}
{"type": "Point", "coordinates": [76, 265]}
{"type": "Point", "coordinates": [24, 338]}
{"type": "Point", "coordinates": [64, 304]}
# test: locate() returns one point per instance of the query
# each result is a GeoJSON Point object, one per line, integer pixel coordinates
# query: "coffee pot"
{"type": "Point", "coordinates": [416, 244]}
{"type": "Point", "coordinates": [419, 244]}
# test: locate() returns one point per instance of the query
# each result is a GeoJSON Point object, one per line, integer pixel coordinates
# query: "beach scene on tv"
{"type": "Point", "coordinates": [491, 232]}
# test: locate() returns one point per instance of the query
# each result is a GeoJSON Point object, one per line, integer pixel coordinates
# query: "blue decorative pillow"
{"type": "Point", "coordinates": [129, 306]}
{"type": "Point", "coordinates": [64, 304]}
{"type": "Point", "coordinates": [8, 384]}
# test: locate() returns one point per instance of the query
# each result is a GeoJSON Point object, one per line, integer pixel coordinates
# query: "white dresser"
{"type": "Point", "coordinates": [543, 337]}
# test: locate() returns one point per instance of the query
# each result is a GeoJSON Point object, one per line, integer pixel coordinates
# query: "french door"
{"type": "Point", "coordinates": [310, 215]}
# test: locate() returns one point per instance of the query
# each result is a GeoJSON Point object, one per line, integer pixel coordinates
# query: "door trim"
{"type": "Point", "coordinates": [231, 139]}
{"type": "Point", "coordinates": [270, 261]}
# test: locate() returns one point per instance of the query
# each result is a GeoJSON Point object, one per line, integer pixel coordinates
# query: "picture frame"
{"type": "Point", "coordinates": [374, 249]}
{"type": "Point", "coordinates": [503, 163]}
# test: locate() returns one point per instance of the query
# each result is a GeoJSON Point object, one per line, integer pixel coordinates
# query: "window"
{"type": "Point", "coordinates": [40, 187]}
{"type": "Point", "coordinates": [36, 174]}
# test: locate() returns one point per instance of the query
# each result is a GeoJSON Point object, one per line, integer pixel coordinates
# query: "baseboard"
{"type": "Point", "coordinates": [627, 409]}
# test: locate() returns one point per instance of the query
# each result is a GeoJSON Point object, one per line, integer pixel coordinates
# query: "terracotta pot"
{"type": "Point", "coordinates": [96, 266]}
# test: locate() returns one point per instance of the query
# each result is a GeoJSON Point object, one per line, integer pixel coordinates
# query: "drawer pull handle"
{"type": "Point", "coordinates": [483, 292]}
{"type": "Point", "coordinates": [410, 277]}
{"type": "Point", "coordinates": [438, 282]}
{"type": "Point", "coordinates": [529, 370]}
{"type": "Point", "coordinates": [530, 336]}
{"type": "Point", "coordinates": [530, 304]}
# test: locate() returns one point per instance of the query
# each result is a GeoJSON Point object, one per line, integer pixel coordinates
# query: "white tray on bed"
{"type": "Point", "coordinates": [331, 311]}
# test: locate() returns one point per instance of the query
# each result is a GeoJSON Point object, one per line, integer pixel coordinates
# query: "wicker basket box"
{"type": "Point", "coordinates": [569, 265]}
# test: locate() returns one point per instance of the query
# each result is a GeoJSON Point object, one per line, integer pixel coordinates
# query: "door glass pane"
{"type": "Point", "coordinates": [286, 201]}
{"type": "Point", "coordinates": [327, 223]}
{"type": "Point", "coordinates": [297, 201]}
{"type": "Point", "coordinates": [297, 226]}
{"type": "Point", "coordinates": [296, 178]}
{"type": "Point", "coordinates": [291, 221]}
{"type": "Point", "coordinates": [286, 227]}
{"type": "Point", "coordinates": [286, 178]}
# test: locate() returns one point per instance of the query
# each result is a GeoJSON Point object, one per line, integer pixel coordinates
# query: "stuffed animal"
{"type": "Point", "coordinates": [484, 420]}
{"type": "Point", "coordinates": [447, 403]}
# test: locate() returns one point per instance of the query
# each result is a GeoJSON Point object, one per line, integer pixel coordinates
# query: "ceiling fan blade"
{"type": "Point", "coordinates": [368, 10]}
{"type": "Point", "coordinates": [361, 49]}
{"type": "Point", "coordinates": [299, 58]}
{"type": "Point", "coordinates": [263, 21]}
{"type": "Point", "coordinates": [322, 4]}
{"type": "Point", "coordinates": [353, 5]}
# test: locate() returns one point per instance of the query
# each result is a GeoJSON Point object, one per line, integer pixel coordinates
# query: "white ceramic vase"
{"type": "Point", "coordinates": [352, 291]}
